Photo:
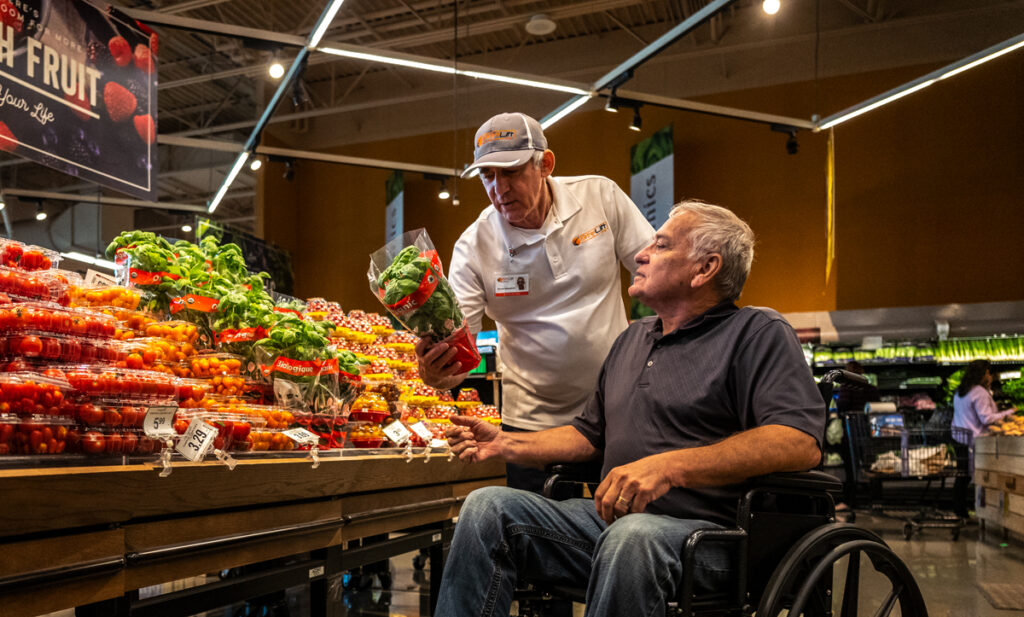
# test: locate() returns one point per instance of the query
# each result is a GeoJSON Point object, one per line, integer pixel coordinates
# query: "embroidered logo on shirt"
{"type": "Point", "coordinates": [591, 234]}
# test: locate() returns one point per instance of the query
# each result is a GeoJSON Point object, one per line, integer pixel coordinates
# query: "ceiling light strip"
{"type": "Point", "coordinates": [237, 167]}
{"type": "Point", "coordinates": [426, 64]}
{"type": "Point", "coordinates": [714, 110]}
{"type": "Point", "coordinates": [922, 82]}
{"type": "Point", "coordinates": [566, 108]}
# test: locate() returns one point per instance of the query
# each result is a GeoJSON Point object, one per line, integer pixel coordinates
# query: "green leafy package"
{"type": "Point", "coordinates": [407, 277]}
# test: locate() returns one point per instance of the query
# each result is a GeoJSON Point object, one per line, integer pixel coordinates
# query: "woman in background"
{"type": "Point", "coordinates": [973, 411]}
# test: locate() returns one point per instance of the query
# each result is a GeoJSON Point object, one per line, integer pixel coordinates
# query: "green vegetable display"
{"type": "Point", "coordinates": [1013, 389]}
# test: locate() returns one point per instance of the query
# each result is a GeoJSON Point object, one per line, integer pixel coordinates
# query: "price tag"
{"type": "Point", "coordinates": [397, 432]}
{"type": "Point", "coordinates": [92, 278]}
{"type": "Point", "coordinates": [422, 431]}
{"type": "Point", "coordinates": [438, 443]}
{"type": "Point", "coordinates": [159, 421]}
{"type": "Point", "coordinates": [302, 437]}
{"type": "Point", "coordinates": [197, 440]}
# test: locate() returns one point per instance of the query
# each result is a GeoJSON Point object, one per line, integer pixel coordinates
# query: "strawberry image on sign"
{"type": "Point", "coordinates": [143, 59]}
{"type": "Point", "coordinates": [8, 143]}
{"type": "Point", "coordinates": [119, 101]}
{"type": "Point", "coordinates": [145, 128]}
{"type": "Point", "coordinates": [121, 50]}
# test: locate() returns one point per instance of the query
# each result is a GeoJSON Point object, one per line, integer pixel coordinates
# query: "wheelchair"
{"type": "Point", "coordinates": [790, 554]}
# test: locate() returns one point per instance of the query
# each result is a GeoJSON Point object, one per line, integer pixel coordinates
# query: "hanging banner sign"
{"type": "Point", "coordinates": [78, 92]}
{"type": "Point", "coordinates": [651, 171]}
{"type": "Point", "coordinates": [394, 197]}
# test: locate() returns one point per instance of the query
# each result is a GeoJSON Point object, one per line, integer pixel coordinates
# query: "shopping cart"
{"type": "Point", "coordinates": [885, 450]}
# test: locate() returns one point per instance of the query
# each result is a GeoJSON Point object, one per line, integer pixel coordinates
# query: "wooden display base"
{"type": "Point", "coordinates": [78, 535]}
{"type": "Point", "coordinates": [999, 475]}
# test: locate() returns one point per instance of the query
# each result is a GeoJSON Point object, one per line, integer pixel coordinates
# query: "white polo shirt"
{"type": "Point", "coordinates": [554, 292]}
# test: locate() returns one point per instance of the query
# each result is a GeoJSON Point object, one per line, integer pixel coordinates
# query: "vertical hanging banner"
{"type": "Point", "coordinates": [651, 183]}
{"type": "Point", "coordinates": [78, 92]}
{"type": "Point", "coordinates": [394, 197]}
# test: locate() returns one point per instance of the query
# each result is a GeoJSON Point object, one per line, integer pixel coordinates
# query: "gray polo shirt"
{"type": "Point", "coordinates": [726, 371]}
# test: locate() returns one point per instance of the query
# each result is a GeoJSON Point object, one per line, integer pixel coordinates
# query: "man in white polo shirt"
{"type": "Point", "coordinates": [542, 261]}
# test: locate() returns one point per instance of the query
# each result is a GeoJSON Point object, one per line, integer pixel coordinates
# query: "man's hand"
{"type": "Point", "coordinates": [629, 488]}
{"type": "Point", "coordinates": [474, 440]}
{"type": "Point", "coordinates": [436, 366]}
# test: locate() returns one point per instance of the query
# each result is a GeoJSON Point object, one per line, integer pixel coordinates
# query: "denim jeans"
{"type": "Point", "coordinates": [631, 567]}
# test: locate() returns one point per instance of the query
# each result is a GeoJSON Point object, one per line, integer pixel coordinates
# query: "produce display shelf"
{"type": "Point", "coordinates": [78, 535]}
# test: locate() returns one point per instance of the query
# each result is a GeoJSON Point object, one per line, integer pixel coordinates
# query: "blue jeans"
{"type": "Point", "coordinates": [631, 567]}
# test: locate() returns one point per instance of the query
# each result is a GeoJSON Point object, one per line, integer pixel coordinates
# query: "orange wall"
{"type": "Point", "coordinates": [928, 190]}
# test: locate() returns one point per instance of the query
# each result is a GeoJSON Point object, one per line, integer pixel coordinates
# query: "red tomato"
{"type": "Point", "coordinates": [17, 366]}
{"type": "Point", "coordinates": [146, 445]}
{"type": "Point", "coordinates": [30, 346]}
{"type": "Point", "coordinates": [112, 417]}
{"type": "Point", "coordinates": [115, 443]}
{"type": "Point", "coordinates": [131, 416]}
{"type": "Point", "coordinates": [93, 442]}
{"type": "Point", "coordinates": [131, 441]}
{"type": "Point", "coordinates": [6, 431]}
{"type": "Point", "coordinates": [240, 431]}
{"type": "Point", "coordinates": [180, 426]}
{"type": "Point", "coordinates": [89, 414]}
{"type": "Point", "coordinates": [51, 348]}
{"type": "Point", "coordinates": [134, 361]}
{"type": "Point", "coordinates": [56, 373]}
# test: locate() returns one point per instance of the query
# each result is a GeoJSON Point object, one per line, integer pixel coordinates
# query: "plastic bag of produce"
{"type": "Point", "coordinates": [407, 277]}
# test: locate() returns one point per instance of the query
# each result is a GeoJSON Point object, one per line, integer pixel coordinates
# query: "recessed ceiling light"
{"type": "Point", "coordinates": [540, 25]}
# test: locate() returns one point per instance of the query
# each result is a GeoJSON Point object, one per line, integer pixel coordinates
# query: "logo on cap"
{"type": "Point", "coordinates": [495, 136]}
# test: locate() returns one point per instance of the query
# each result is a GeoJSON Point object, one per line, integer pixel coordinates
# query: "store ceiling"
{"type": "Point", "coordinates": [215, 87]}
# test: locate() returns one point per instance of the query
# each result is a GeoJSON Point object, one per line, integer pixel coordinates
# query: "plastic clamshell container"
{"type": "Point", "coordinates": [131, 323]}
{"type": "Point", "coordinates": [211, 364]}
{"type": "Point", "coordinates": [176, 330]}
{"type": "Point", "coordinates": [366, 435]}
{"type": "Point", "coordinates": [37, 435]}
{"type": "Point", "coordinates": [110, 414]}
{"type": "Point", "coordinates": [233, 429]}
{"type": "Point", "coordinates": [123, 384]}
{"type": "Point", "coordinates": [14, 254]}
{"type": "Point", "coordinates": [271, 440]}
{"type": "Point", "coordinates": [193, 392]}
{"type": "Point", "coordinates": [105, 296]}
{"type": "Point", "coordinates": [49, 317]}
{"type": "Point", "coordinates": [35, 346]}
{"type": "Point", "coordinates": [27, 393]}
{"type": "Point", "coordinates": [41, 286]}
{"type": "Point", "coordinates": [108, 441]}
{"type": "Point", "coordinates": [273, 417]}
{"type": "Point", "coordinates": [150, 350]}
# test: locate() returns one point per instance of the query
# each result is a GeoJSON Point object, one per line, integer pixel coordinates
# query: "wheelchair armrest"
{"type": "Point", "coordinates": [588, 472]}
{"type": "Point", "coordinates": [812, 480]}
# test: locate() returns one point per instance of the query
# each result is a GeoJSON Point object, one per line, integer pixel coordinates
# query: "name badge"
{"type": "Point", "coordinates": [512, 285]}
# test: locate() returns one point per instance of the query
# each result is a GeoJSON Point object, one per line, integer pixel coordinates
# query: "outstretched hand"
{"type": "Point", "coordinates": [436, 364]}
{"type": "Point", "coordinates": [629, 488]}
{"type": "Point", "coordinates": [474, 440]}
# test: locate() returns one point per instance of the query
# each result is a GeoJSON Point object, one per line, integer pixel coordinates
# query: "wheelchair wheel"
{"type": "Point", "coordinates": [804, 581]}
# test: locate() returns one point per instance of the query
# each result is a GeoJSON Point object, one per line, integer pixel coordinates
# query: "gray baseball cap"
{"type": "Point", "coordinates": [506, 140]}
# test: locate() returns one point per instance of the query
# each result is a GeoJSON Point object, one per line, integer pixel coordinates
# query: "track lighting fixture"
{"type": "Point", "coordinates": [637, 122]}
{"type": "Point", "coordinates": [256, 163]}
{"type": "Point", "coordinates": [612, 104]}
{"type": "Point", "coordinates": [186, 228]}
{"type": "Point", "coordinates": [40, 213]}
{"type": "Point", "coordinates": [443, 193]}
{"type": "Point", "coordinates": [771, 7]}
{"type": "Point", "coordinates": [289, 170]}
{"type": "Point", "coordinates": [276, 67]}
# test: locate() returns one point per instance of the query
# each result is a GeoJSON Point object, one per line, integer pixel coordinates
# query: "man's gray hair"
{"type": "Point", "coordinates": [720, 231]}
{"type": "Point", "coordinates": [538, 159]}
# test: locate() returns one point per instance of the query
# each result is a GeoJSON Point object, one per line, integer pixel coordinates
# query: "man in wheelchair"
{"type": "Point", "coordinates": [689, 404]}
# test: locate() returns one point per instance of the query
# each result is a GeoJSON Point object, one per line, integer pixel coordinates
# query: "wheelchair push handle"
{"type": "Point", "coordinates": [842, 377]}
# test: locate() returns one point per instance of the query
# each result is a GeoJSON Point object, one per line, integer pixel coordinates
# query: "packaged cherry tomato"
{"type": "Point", "coordinates": [104, 296]}
{"type": "Point", "coordinates": [125, 385]}
{"type": "Point", "coordinates": [233, 430]}
{"type": "Point", "coordinates": [45, 317]}
{"type": "Point", "coordinates": [366, 435]}
{"type": "Point", "coordinates": [27, 393]}
{"type": "Point", "coordinates": [130, 323]}
{"type": "Point", "coordinates": [42, 286]}
{"type": "Point", "coordinates": [8, 425]}
{"type": "Point", "coordinates": [175, 330]}
{"type": "Point", "coordinates": [14, 254]}
{"type": "Point", "coordinates": [37, 435]}
{"type": "Point", "coordinates": [114, 441]}
{"type": "Point", "coordinates": [110, 413]}
{"type": "Point", "coordinates": [47, 348]}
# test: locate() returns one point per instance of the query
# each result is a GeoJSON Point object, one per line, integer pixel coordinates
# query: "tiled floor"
{"type": "Point", "coordinates": [947, 572]}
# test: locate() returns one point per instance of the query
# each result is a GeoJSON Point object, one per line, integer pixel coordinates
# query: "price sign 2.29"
{"type": "Point", "coordinates": [197, 440]}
